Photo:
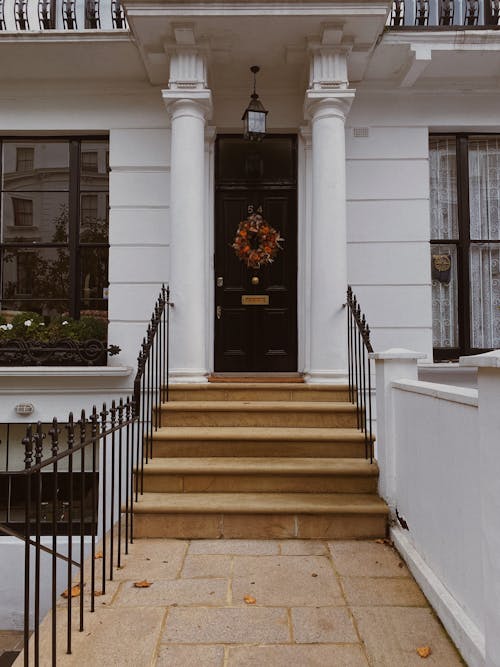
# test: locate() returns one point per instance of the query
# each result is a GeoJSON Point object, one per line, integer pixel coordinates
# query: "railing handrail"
{"type": "Point", "coordinates": [444, 14]}
{"type": "Point", "coordinates": [359, 348]}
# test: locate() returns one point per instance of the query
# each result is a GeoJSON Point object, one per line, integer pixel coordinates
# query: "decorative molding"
{"type": "Point", "coordinates": [196, 102]}
{"type": "Point", "coordinates": [332, 103]}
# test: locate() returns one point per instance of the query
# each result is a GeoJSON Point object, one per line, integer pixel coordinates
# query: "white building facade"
{"type": "Point", "coordinates": [123, 158]}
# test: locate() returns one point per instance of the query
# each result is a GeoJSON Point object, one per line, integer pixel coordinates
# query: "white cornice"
{"type": "Point", "coordinates": [446, 40]}
{"type": "Point", "coordinates": [65, 36]}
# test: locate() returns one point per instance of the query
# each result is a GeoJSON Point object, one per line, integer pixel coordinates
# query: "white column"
{"type": "Point", "coordinates": [189, 104]}
{"type": "Point", "coordinates": [488, 450]}
{"type": "Point", "coordinates": [394, 364]}
{"type": "Point", "coordinates": [327, 111]}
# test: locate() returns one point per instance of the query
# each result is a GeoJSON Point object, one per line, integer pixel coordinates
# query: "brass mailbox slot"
{"type": "Point", "coordinates": [255, 300]}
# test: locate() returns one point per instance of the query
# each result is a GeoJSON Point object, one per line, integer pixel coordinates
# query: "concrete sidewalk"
{"type": "Point", "coordinates": [242, 603]}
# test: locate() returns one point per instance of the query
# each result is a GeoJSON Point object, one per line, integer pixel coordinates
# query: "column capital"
{"type": "Point", "coordinates": [328, 103]}
{"type": "Point", "coordinates": [196, 103]}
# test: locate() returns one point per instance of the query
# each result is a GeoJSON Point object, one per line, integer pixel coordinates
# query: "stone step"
{"type": "Point", "coordinates": [330, 414]}
{"type": "Point", "coordinates": [260, 515]}
{"type": "Point", "coordinates": [260, 475]}
{"type": "Point", "coordinates": [210, 441]}
{"type": "Point", "coordinates": [258, 391]}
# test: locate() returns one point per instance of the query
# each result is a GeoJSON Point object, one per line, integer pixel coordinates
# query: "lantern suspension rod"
{"type": "Point", "coordinates": [255, 69]}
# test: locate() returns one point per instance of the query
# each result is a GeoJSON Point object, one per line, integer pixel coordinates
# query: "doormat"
{"type": "Point", "coordinates": [257, 379]}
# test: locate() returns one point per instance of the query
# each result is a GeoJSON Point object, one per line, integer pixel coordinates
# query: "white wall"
{"type": "Point", "coordinates": [431, 449]}
{"type": "Point", "coordinates": [388, 233]}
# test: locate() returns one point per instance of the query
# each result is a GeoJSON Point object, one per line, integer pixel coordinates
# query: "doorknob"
{"type": "Point", "coordinates": [218, 312]}
{"type": "Point", "coordinates": [220, 281]}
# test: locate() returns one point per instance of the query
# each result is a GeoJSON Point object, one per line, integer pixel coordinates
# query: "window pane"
{"type": "Point", "coordinates": [35, 277]}
{"type": "Point", "coordinates": [94, 277]}
{"type": "Point", "coordinates": [94, 214]}
{"type": "Point", "coordinates": [35, 217]}
{"type": "Point", "coordinates": [443, 188]}
{"type": "Point", "coordinates": [485, 295]}
{"type": "Point", "coordinates": [484, 188]}
{"type": "Point", "coordinates": [94, 165]}
{"type": "Point", "coordinates": [444, 296]}
{"type": "Point", "coordinates": [35, 165]}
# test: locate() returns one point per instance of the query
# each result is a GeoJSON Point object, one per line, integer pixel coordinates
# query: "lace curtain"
{"type": "Point", "coordinates": [484, 258]}
{"type": "Point", "coordinates": [444, 226]}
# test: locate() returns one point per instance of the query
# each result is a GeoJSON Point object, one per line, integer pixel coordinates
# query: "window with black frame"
{"type": "Point", "coordinates": [54, 227]}
{"type": "Point", "coordinates": [465, 243]}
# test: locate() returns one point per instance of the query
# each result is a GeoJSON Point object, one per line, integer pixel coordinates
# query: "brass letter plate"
{"type": "Point", "coordinates": [255, 300]}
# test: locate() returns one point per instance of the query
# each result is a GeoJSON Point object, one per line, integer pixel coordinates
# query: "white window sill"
{"type": "Point", "coordinates": [65, 371]}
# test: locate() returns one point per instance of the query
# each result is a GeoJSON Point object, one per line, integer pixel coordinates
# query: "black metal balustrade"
{"type": "Point", "coordinates": [446, 14]}
{"type": "Point", "coordinates": [25, 15]}
{"type": "Point", "coordinates": [99, 460]}
{"type": "Point", "coordinates": [67, 352]}
{"type": "Point", "coordinates": [359, 369]}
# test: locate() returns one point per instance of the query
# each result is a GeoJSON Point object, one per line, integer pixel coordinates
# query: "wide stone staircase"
{"type": "Point", "coordinates": [259, 460]}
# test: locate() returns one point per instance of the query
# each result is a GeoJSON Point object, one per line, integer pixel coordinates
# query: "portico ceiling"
{"type": "Point", "coordinates": [238, 34]}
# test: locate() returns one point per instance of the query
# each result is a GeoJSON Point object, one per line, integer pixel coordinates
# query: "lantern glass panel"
{"type": "Point", "coordinates": [257, 122]}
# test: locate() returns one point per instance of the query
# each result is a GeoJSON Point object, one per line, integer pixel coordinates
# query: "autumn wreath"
{"type": "Point", "coordinates": [256, 243]}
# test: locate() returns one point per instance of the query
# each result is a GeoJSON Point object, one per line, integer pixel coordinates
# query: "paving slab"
{"type": "Point", "coordinates": [383, 591]}
{"type": "Point", "coordinates": [239, 547]}
{"type": "Point", "coordinates": [367, 559]}
{"type": "Point", "coordinates": [206, 566]}
{"type": "Point", "coordinates": [303, 548]}
{"type": "Point", "coordinates": [175, 655]}
{"type": "Point", "coordinates": [392, 635]}
{"type": "Point", "coordinates": [315, 625]}
{"type": "Point", "coordinates": [201, 592]}
{"type": "Point", "coordinates": [285, 581]}
{"type": "Point", "coordinates": [227, 626]}
{"type": "Point", "coordinates": [293, 656]}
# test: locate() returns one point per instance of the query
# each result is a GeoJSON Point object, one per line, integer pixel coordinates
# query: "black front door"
{"type": "Point", "coordinates": [256, 308]}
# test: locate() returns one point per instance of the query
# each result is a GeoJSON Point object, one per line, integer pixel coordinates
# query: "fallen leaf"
{"type": "Point", "coordinates": [143, 584]}
{"type": "Point", "coordinates": [75, 592]}
{"type": "Point", "coordinates": [314, 574]}
{"type": "Point", "coordinates": [98, 594]}
{"type": "Point", "coordinates": [98, 555]}
{"type": "Point", "coordinates": [424, 651]}
{"type": "Point", "coordinates": [401, 564]}
{"type": "Point", "coordinates": [249, 599]}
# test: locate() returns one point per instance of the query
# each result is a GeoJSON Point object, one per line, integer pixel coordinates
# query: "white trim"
{"type": "Point", "coordinates": [444, 392]}
{"type": "Point", "coordinates": [66, 371]}
{"type": "Point", "coordinates": [467, 637]}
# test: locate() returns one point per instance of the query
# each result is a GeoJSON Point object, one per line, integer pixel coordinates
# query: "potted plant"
{"type": "Point", "coordinates": [27, 340]}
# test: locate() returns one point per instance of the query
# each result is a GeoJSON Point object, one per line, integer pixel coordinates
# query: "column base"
{"type": "Point", "coordinates": [188, 376]}
{"type": "Point", "coordinates": [326, 377]}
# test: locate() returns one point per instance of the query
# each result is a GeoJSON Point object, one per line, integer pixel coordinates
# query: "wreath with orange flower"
{"type": "Point", "coordinates": [256, 243]}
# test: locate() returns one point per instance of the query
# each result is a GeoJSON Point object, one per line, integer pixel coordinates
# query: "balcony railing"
{"type": "Point", "coordinates": [448, 14]}
{"type": "Point", "coordinates": [25, 15]}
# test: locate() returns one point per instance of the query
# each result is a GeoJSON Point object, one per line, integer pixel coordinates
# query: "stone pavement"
{"type": "Point", "coordinates": [247, 603]}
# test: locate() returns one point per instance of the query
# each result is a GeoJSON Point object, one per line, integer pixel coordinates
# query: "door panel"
{"type": "Point", "coordinates": [256, 338]}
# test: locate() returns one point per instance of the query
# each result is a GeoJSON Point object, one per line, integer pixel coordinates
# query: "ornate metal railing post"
{"type": "Point", "coordinates": [359, 369]}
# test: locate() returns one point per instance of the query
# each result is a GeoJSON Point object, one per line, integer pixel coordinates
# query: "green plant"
{"type": "Point", "coordinates": [31, 326]}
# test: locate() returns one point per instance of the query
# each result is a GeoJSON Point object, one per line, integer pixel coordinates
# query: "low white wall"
{"type": "Point", "coordinates": [437, 477]}
{"type": "Point", "coordinates": [439, 460]}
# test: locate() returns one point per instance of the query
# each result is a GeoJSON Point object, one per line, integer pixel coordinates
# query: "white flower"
{"type": "Point", "coordinates": [3, 327]}
{"type": "Point", "coordinates": [9, 326]}
{"type": "Point", "coordinates": [65, 322]}
{"type": "Point", "coordinates": [28, 323]}
{"type": "Point", "coordinates": [42, 324]}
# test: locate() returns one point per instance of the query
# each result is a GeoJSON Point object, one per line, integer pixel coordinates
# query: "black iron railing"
{"type": "Point", "coordinates": [67, 352]}
{"type": "Point", "coordinates": [449, 14]}
{"type": "Point", "coordinates": [27, 15]}
{"type": "Point", "coordinates": [151, 383]}
{"type": "Point", "coordinates": [359, 369]}
{"type": "Point", "coordinates": [99, 460]}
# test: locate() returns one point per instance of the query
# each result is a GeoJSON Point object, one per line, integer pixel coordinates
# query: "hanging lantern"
{"type": "Point", "coordinates": [254, 118]}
